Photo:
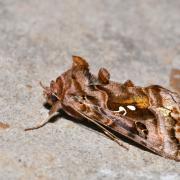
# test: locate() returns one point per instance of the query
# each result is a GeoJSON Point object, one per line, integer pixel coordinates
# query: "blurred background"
{"type": "Point", "coordinates": [133, 39]}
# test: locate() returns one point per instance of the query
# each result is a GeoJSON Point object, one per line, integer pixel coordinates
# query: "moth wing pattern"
{"type": "Point", "coordinates": [149, 115]}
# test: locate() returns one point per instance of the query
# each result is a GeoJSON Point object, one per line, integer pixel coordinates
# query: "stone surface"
{"type": "Point", "coordinates": [137, 40]}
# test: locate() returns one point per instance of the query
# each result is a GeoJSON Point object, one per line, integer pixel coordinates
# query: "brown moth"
{"type": "Point", "coordinates": [150, 116]}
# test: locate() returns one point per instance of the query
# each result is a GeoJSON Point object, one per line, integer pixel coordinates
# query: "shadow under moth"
{"type": "Point", "coordinates": [149, 116]}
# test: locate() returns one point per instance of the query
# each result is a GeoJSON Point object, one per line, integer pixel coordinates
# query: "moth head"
{"type": "Point", "coordinates": [50, 93]}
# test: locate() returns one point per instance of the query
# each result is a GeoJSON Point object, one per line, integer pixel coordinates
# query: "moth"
{"type": "Point", "coordinates": [149, 116]}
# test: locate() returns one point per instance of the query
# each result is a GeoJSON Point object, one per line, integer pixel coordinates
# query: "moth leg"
{"type": "Point", "coordinates": [53, 112]}
{"type": "Point", "coordinates": [43, 122]}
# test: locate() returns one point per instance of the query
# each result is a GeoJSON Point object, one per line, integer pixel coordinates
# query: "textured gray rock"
{"type": "Point", "coordinates": [137, 40]}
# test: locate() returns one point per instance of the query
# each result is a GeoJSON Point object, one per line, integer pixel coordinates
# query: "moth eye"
{"type": "Point", "coordinates": [132, 108]}
{"type": "Point", "coordinates": [53, 97]}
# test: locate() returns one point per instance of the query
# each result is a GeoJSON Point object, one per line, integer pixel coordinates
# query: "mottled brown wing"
{"type": "Point", "coordinates": [146, 132]}
{"type": "Point", "coordinates": [149, 116]}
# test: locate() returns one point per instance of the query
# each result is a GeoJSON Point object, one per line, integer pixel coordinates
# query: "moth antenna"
{"type": "Point", "coordinates": [56, 96]}
{"type": "Point", "coordinates": [44, 87]}
{"type": "Point", "coordinates": [41, 84]}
